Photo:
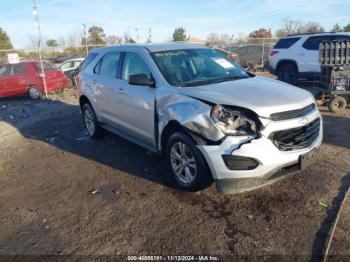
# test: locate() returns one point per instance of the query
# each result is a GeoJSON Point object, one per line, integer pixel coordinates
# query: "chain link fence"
{"type": "Point", "coordinates": [252, 55]}
{"type": "Point", "coordinates": [21, 72]}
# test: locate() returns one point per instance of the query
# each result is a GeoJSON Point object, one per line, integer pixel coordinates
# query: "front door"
{"type": "Point", "coordinates": [137, 102]}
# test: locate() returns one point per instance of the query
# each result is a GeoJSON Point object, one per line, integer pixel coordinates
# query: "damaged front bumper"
{"type": "Point", "coordinates": [257, 162]}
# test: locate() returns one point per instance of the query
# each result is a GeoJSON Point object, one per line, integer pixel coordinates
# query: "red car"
{"type": "Point", "coordinates": [26, 78]}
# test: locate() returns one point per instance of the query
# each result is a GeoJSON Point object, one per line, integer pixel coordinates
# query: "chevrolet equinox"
{"type": "Point", "coordinates": [204, 113]}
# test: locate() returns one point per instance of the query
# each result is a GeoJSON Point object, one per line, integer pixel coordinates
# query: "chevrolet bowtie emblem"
{"type": "Point", "coordinates": [304, 120]}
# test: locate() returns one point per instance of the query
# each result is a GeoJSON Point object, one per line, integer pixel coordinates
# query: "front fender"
{"type": "Point", "coordinates": [191, 113]}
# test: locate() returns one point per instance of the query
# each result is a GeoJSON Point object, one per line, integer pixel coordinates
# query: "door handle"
{"type": "Point", "coordinates": [120, 90]}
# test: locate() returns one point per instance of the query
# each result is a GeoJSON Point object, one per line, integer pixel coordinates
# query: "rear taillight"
{"type": "Point", "coordinates": [273, 52]}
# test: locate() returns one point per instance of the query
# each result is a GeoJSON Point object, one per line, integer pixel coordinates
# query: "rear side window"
{"type": "Point", "coordinates": [108, 65]}
{"type": "Point", "coordinates": [342, 38]}
{"type": "Point", "coordinates": [313, 42]}
{"type": "Point", "coordinates": [18, 68]}
{"type": "Point", "coordinates": [5, 70]}
{"type": "Point", "coordinates": [285, 43]}
{"type": "Point", "coordinates": [88, 60]}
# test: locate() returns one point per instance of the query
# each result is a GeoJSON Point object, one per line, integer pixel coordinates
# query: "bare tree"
{"type": "Point", "coordinates": [33, 42]}
{"type": "Point", "coordinates": [127, 38]}
{"type": "Point", "coordinates": [312, 27]}
{"type": "Point", "coordinates": [346, 28]}
{"type": "Point", "coordinates": [336, 28]}
{"type": "Point", "coordinates": [290, 27]}
{"type": "Point", "coordinates": [216, 39]}
{"type": "Point", "coordinates": [112, 39]}
{"type": "Point", "coordinates": [73, 39]}
{"type": "Point", "coordinates": [62, 41]}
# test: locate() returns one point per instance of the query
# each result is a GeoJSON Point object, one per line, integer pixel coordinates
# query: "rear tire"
{"type": "Point", "coordinates": [187, 163]}
{"type": "Point", "coordinates": [90, 121]}
{"type": "Point", "coordinates": [337, 104]}
{"type": "Point", "coordinates": [288, 73]}
{"type": "Point", "coordinates": [34, 93]}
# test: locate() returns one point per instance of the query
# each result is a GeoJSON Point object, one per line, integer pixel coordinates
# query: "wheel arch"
{"type": "Point", "coordinates": [174, 126]}
{"type": "Point", "coordinates": [33, 85]}
{"type": "Point", "coordinates": [83, 100]}
{"type": "Point", "coordinates": [287, 61]}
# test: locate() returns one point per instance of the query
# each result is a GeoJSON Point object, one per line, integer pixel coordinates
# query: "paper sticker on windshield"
{"type": "Point", "coordinates": [223, 63]}
{"type": "Point", "coordinates": [170, 53]}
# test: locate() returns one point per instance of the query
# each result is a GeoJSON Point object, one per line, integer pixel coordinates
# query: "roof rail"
{"type": "Point", "coordinates": [316, 33]}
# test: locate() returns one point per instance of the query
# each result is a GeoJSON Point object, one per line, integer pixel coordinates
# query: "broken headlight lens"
{"type": "Point", "coordinates": [232, 122]}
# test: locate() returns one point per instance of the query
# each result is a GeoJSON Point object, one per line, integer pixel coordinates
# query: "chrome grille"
{"type": "Point", "coordinates": [297, 138]}
{"type": "Point", "coordinates": [293, 113]}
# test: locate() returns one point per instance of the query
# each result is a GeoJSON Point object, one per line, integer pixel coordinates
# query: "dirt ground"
{"type": "Point", "coordinates": [62, 193]}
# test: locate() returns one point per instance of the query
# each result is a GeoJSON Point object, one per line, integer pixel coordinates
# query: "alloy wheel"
{"type": "Point", "coordinates": [183, 163]}
{"type": "Point", "coordinates": [89, 121]}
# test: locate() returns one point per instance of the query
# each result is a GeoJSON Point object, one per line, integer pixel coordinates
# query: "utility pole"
{"type": "Point", "coordinates": [85, 37]}
{"type": "Point", "coordinates": [137, 35]}
{"type": "Point", "coordinates": [149, 40]}
{"type": "Point", "coordinates": [230, 45]}
{"type": "Point", "coordinates": [37, 24]}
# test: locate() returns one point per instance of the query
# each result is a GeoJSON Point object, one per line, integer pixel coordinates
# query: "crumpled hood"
{"type": "Point", "coordinates": [262, 95]}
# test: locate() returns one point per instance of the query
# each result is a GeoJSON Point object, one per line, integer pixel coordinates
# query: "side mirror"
{"type": "Point", "coordinates": [141, 80]}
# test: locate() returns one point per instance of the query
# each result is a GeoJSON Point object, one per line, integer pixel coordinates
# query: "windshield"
{"type": "Point", "coordinates": [193, 67]}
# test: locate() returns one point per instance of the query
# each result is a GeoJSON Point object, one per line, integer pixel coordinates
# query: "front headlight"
{"type": "Point", "coordinates": [232, 122]}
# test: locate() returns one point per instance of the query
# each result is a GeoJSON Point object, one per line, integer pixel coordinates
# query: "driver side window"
{"type": "Point", "coordinates": [134, 64]}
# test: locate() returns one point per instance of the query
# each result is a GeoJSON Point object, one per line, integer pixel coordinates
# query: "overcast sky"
{"type": "Point", "coordinates": [199, 17]}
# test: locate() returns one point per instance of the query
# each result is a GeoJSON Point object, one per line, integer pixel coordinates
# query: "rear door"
{"type": "Point", "coordinates": [307, 57]}
{"type": "Point", "coordinates": [106, 84]}
{"type": "Point", "coordinates": [20, 78]}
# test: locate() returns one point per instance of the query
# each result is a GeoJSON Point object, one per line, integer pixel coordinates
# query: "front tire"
{"type": "Point", "coordinates": [288, 73]}
{"type": "Point", "coordinates": [90, 121]}
{"type": "Point", "coordinates": [187, 163]}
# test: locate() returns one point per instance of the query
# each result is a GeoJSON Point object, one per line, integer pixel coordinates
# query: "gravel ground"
{"type": "Point", "coordinates": [62, 193]}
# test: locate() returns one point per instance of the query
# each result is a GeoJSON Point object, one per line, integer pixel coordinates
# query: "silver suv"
{"type": "Point", "coordinates": [207, 116]}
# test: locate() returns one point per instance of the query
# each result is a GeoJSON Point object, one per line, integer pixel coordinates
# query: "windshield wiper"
{"type": "Point", "coordinates": [211, 81]}
{"type": "Point", "coordinates": [229, 78]}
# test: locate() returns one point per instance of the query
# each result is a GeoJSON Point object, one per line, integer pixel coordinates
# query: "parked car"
{"type": "Point", "coordinates": [25, 78]}
{"type": "Point", "coordinates": [71, 68]}
{"type": "Point", "coordinates": [207, 116]}
{"type": "Point", "coordinates": [296, 56]}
